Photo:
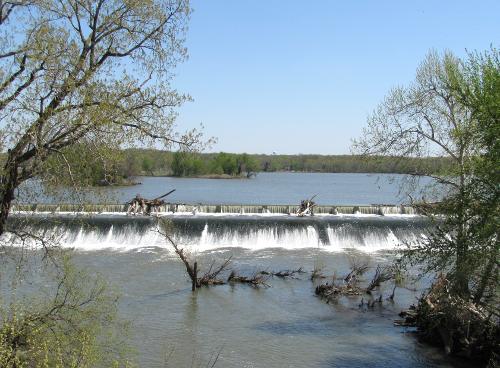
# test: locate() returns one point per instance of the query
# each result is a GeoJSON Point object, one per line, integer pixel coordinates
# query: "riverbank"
{"type": "Point", "coordinates": [213, 176]}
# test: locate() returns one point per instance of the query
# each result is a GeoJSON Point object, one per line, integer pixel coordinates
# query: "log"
{"type": "Point", "coordinates": [194, 279]}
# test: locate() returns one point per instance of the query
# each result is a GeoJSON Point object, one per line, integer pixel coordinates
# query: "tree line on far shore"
{"type": "Point", "coordinates": [118, 167]}
{"type": "Point", "coordinates": [154, 162]}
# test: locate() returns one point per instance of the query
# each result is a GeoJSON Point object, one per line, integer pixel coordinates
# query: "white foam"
{"type": "Point", "coordinates": [335, 238]}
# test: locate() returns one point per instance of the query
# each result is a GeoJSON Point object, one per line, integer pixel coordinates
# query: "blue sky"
{"type": "Point", "coordinates": [302, 76]}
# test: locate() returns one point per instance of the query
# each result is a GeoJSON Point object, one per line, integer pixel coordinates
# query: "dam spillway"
{"type": "Point", "coordinates": [375, 209]}
{"type": "Point", "coordinates": [210, 231]}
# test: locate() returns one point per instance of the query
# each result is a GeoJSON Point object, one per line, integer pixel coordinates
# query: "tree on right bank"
{"type": "Point", "coordinates": [452, 110]}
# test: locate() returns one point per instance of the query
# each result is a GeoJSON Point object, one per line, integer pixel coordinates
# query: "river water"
{"type": "Point", "coordinates": [265, 188]}
{"type": "Point", "coordinates": [283, 325]}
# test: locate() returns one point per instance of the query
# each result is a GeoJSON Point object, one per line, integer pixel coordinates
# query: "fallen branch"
{"type": "Point", "coordinates": [306, 207]}
{"type": "Point", "coordinates": [317, 273]}
{"type": "Point", "coordinates": [358, 268]}
{"type": "Point", "coordinates": [209, 278]}
{"type": "Point", "coordinates": [329, 291]}
{"type": "Point", "coordinates": [283, 273]}
{"type": "Point", "coordinates": [256, 280]}
{"type": "Point", "coordinates": [382, 274]}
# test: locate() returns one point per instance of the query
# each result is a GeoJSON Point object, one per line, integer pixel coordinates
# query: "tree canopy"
{"type": "Point", "coordinates": [97, 71]}
{"type": "Point", "coordinates": [78, 80]}
{"type": "Point", "coordinates": [452, 109]}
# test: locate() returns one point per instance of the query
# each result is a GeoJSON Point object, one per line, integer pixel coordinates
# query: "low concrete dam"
{"type": "Point", "coordinates": [224, 209]}
{"type": "Point", "coordinates": [205, 232]}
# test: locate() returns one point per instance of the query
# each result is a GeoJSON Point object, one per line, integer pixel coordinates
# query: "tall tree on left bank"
{"type": "Point", "coordinates": [93, 71]}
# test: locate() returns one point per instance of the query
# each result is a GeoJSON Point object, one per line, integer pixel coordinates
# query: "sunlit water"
{"type": "Point", "coordinates": [284, 325]}
{"type": "Point", "coordinates": [265, 188]}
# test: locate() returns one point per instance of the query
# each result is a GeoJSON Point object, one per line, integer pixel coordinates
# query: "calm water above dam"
{"type": "Point", "coordinates": [265, 188]}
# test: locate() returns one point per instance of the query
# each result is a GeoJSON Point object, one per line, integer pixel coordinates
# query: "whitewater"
{"type": "Point", "coordinates": [210, 231]}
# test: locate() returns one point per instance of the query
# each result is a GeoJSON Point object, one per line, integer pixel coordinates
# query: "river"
{"type": "Point", "coordinates": [284, 325]}
{"type": "Point", "coordinates": [265, 188]}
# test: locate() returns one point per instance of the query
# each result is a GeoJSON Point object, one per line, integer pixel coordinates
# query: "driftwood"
{"type": "Point", "coordinates": [349, 285]}
{"type": "Point", "coordinates": [358, 268]}
{"type": "Point", "coordinates": [146, 206]}
{"type": "Point", "coordinates": [317, 273]}
{"type": "Point", "coordinates": [458, 324]}
{"type": "Point", "coordinates": [328, 291]}
{"type": "Point", "coordinates": [306, 207]}
{"type": "Point", "coordinates": [258, 279]}
{"type": "Point", "coordinates": [409, 318]}
{"type": "Point", "coordinates": [283, 273]}
{"type": "Point", "coordinates": [209, 278]}
{"type": "Point", "coordinates": [382, 274]}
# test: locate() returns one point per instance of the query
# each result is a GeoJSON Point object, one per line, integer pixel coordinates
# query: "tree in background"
{"type": "Point", "coordinates": [225, 163]}
{"type": "Point", "coordinates": [147, 165]}
{"type": "Point", "coordinates": [246, 164]}
{"type": "Point", "coordinates": [452, 109]}
{"type": "Point", "coordinates": [186, 164]}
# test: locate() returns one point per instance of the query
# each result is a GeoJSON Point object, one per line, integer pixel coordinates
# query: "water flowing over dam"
{"type": "Point", "coordinates": [202, 232]}
{"type": "Point", "coordinates": [221, 209]}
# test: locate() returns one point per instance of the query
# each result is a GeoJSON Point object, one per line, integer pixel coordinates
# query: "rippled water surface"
{"type": "Point", "coordinates": [265, 188]}
{"type": "Point", "coordinates": [283, 325]}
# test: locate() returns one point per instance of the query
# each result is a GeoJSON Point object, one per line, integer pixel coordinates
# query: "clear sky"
{"type": "Point", "coordinates": [302, 76]}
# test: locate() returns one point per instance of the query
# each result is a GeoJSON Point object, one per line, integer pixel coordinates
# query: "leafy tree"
{"type": "Point", "coordinates": [147, 165]}
{"type": "Point", "coordinates": [246, 164]}
{"type": "Point", "coordinates": [78, 80]}
{"type": "Point", "coordinates": [186, 164]}
{"type": "Point", "coordinates": [477, 86]}
{"type": "Point", "coordinates": [97, 70]}
{"type": "Point", "coordinates": [75, 326]}
{"type": "Point", "coordinates": [427, 118]}
{"type": "Point", "coordinates": [226, 162]}
{"type": "Point", "coordinates": [86, 164]}
{"type": "Point", "coordinates": [452, 109]}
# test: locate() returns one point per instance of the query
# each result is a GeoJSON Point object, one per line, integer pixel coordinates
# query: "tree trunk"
{"type": "Point", "coordinates": [462, 271]}
{"type": "Point", "coordinates": [486, 276]}
{"type": "Point", "coordinates": [195, 278]}
{"type": "Point", "coordinates": [8, 186]}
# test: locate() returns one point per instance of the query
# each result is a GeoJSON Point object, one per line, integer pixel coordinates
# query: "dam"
{"type": "Point", "coordinates": [220, 209]}
{"type": "Point", "coordinates": [209, 227]}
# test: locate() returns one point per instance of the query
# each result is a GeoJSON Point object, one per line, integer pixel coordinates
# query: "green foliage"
{"type": "Point", "coordinates": [466, 244]}
{"type": "Point", "coordinates": [186, 164]}
{"type": "Point", "coordinates": [452, 108]}
{"type": "Point", "coordinates": [74, 326]}
{"type": "Point", "coordinates": [147, 164]}
{"type": "Point", "coordinates": [199, 164]}
{"type": "Point", "coordinates": [85, 164]}
{"type": "Point", "coordinates": [227, 162]}
{"type": "Point", "coordinates": [195, 164]}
